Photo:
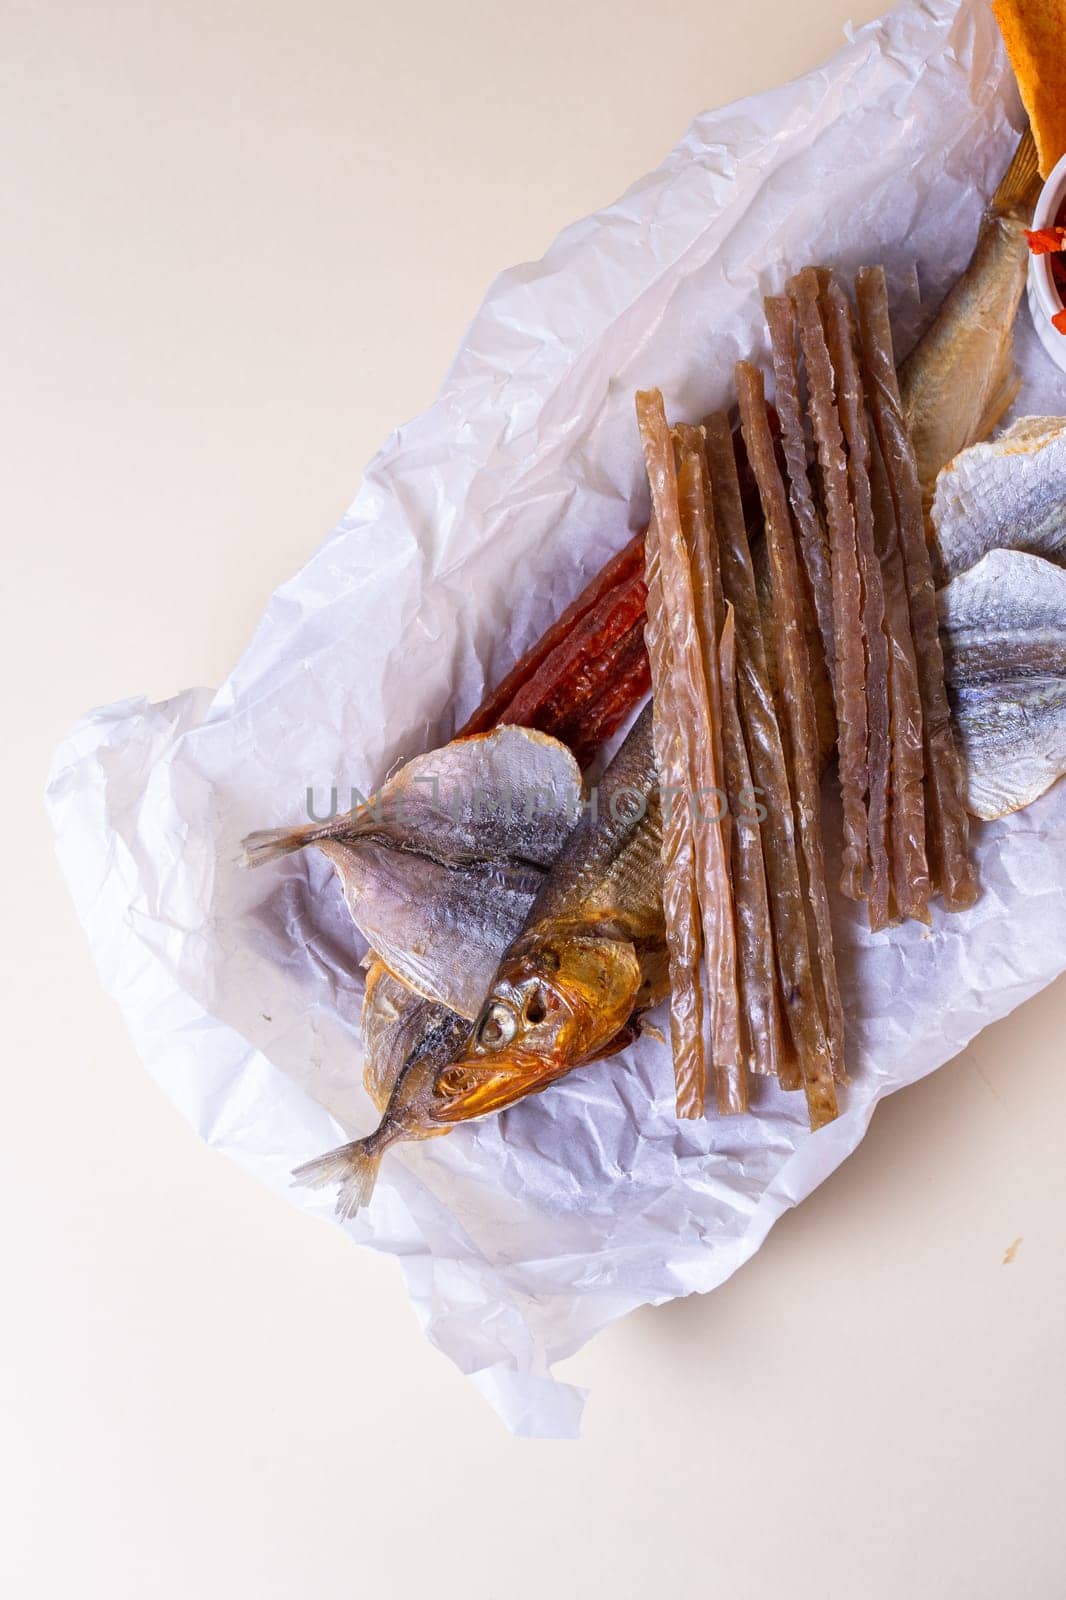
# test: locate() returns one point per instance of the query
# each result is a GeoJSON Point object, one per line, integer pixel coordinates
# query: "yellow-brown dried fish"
{"type": "Point", "coordinates": [797, 990]}
{"type": "Point", "coordinates": [802, 738]}
{"type": "Point", "coordinates": [948, 841]}
{"type": "Point", "coordinates": [849, 676]}
{"type": "Point", "coordinates": [959, 380]}
{"type": "Point", "coordinates": [851, 411]}
{"type": "Point", "coordinates": [569, 989]}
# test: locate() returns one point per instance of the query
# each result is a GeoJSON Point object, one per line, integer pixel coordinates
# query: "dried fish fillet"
{"type": "Point", "coordinates": [440, 868]}
{"type": "Point", "coordinates": [910, 868]}
{"type": "Point", "coordinates": [948, 837]}
{"type": "Point", "coordinates": [801, 735]}
{"type": "Point", "coordinates": [849, 676]}
{"type": "Point", "coordinates": [712, 818]}
{"type": "Point", "coordinates": [684, 938]}
{"type": "Point", "coordinates": [796, 987]}
{"type": "Point", "coordinates": [694, 724]}
{"type": "Point", "coordinates": [814, 549]}
{"type": "Point", "coordinates": [851, 410]}
{"type": "Point", "coordinates": [1005, 654]}
{"type": "Point", "coordinates": [1006, 495]}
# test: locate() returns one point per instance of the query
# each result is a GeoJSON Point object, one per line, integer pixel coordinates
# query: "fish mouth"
{"type": "Point", "coordinates": [477, 1084]}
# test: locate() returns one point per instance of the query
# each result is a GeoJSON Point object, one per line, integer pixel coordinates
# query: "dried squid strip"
{"type": "Point", "coordinates": [910, 870]}
{"type": "Point", "coordinates": [711, 815]}
{"type": "Point", "coordinates": [684, 939]}
{"type": "Point", "coordinates": [949, 828]}
{"type": "Point", "coordinates": [797, 991]}
{"type": "Point", "coordinates": [691, 704]}
{"type": "Point", "coordinates": [810, 531]}
{"type": "Point", "coordinates": [802, 739]}
{"type": "Point", "coordinates": [851, 409]}
{"type": "Point", "coordinates": [850, 670]}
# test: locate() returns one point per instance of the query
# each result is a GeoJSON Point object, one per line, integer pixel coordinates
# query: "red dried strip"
{"type": "Point", "coordinates": [814, 550]}
{"type": "Point", "coordinates": [619, 570]}
{"type": "Point", "coordinates": [949, 827]}
{"type": "Point", "coordinates": [798, 994]}
{"type": "Point", "coordinates": [684, 939]}
{"type": "Point", "coordinates": [850, 671]}
{"type": "Point", "coordinates": [910, 870]}
{"type": "Point", "coordinates": [574, 672]}
{"type": "Point", "coordinates": [851, 409]}
{"type": "Point", "coordinates": [802, 737]}
{"type": "Point", "coordinates": [628, 679]}
{"type": "Point", "coordinates": [712, 820]}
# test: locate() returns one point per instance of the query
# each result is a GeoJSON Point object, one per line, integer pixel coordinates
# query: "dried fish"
{"type": "Point", "coordinates": [960, 378]}
{"type": "Point", "coordinates": [1009, 494]}
{"type": "Point", "coordinates": [797, 989]}
{"type": "Point", "coordinates": [440, 867]}
{"type": "Point", "coordinates": [399, 1026]}
{"type": "Point", "coordinates": [1004, 627]}
{"type": "Point", "coordinates": [948, 838]}
{"type": "Point", "coordinates": [850, 669]}
{"type": "Point", "coordinates": [801, 735]}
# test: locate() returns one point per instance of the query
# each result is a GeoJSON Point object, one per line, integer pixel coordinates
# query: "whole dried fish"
{"type": "Point", "coordinates": [440, 867]}
{"type": "Point", "coordinates": [1009, 494]}
{"type": "Point", "coordinates": [569, 989]}
{"type": "Point", "coordinates": [1005, 653]}
{"type": "Point", "coordinates": [960, 378]}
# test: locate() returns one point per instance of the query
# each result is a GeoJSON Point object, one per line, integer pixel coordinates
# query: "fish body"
{"type": "Point", "coordinates": [569, 989]}
{"type": "Point", "coordinates": [959, 380]}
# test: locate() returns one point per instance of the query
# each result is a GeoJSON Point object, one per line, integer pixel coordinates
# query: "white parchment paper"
{"type": "Point", "coordinates": [521, 1236]}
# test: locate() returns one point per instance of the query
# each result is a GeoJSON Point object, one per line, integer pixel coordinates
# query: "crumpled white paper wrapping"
{"type": "Point", "coordinates": [521, 1236]}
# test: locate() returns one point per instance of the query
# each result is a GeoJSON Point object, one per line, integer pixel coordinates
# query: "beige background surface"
{"type": "Point", "coordinates": [240, 243]}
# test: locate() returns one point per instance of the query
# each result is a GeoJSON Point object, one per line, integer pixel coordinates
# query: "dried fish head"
{"type": "Point", "coordinates": [1009, 494]}
{"type": "Point", "coordinates": [558, 1000]}
{"type": "Point", "coordinates": [1004, 631]}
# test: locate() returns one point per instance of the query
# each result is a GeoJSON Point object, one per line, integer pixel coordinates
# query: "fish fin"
{"type": "Point", "coordinates": [353, 1166]}
{"type": "Point", "coordinates": [1021, 181]}
{"type": "Point", "coordinates": [270, 844]}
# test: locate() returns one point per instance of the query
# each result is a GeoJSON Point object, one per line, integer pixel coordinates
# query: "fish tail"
{"type": "Point", "coordinates": [1020, 183]}
{"type": "Point", "coordinates": [353, 1166]}
{"type": "Point", "coordinates": [270, 844]}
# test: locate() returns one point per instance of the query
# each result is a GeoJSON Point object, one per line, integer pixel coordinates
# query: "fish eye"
{"type": "Point", "coordinates": [497, 1027]}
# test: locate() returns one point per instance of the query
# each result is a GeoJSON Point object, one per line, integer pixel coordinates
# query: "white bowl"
{"type": "Point", "coordinates": [1041, 293]}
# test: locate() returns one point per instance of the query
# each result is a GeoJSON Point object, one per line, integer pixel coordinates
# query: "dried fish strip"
{"type": "Point", "coordinates": [781, 321]}
{"type": "Point", "coordinates": [684, 938]}
{"type": "Point", "coordinates": [801, 730]}
{"type": "Point", "coordinates": [693, 721]}
{"type": "Point", "coordinates": [948, 836]}
{"type": "Point", "coordinates": [761, 1031]}
{"type": "Point", "coordinates": [851, 409]}
{"type": "Point", "coordinates": [797, 991]}
{"type": "Point", "coordinates": [850, 670]}
{"type": "Point", "coordinates": [910, 869]}
{"type": "Point", "coordinates": [712, 814]}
